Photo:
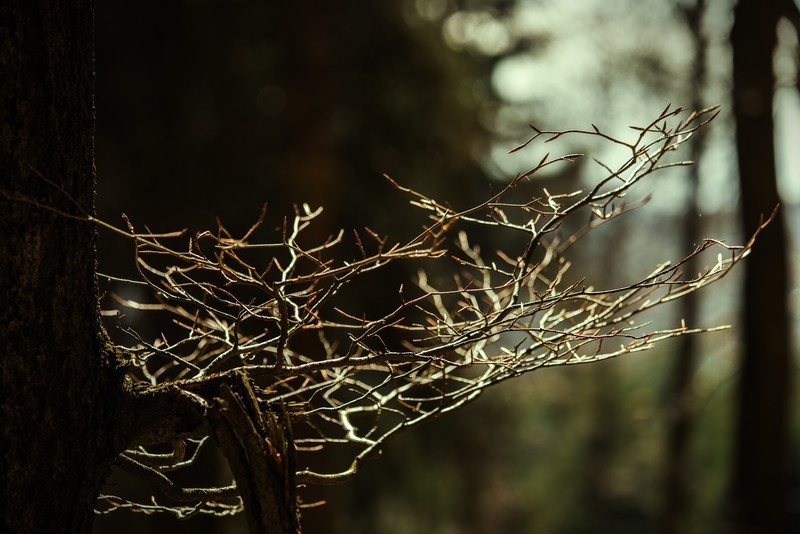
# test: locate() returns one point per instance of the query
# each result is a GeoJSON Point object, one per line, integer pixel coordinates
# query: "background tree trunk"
{"type": "Point", "coordinates": [59, 378]}
{"type": "Point", "coordinates": [759, 480]}
{"type": "Point", "coordinates": [680, 401]}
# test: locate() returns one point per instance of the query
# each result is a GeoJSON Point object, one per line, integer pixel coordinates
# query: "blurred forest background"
{"type": "Point", "coordinates": [208, 108]}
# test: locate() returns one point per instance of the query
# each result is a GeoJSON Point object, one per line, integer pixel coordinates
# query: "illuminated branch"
{"type": "Point", "coordinates": [240, 307]}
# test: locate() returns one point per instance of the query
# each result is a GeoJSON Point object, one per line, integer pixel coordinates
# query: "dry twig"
{"type": "Point", "coordinates": [243, 306]}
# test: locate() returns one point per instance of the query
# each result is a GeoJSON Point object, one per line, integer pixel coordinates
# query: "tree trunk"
{"type": "Point", "coordinates": [680, 400]}
{"type": "Point", "coordinates": [59, 378]}
{"type": "Point", "coordinates": [758, 494]}
{"type": "Point", "coordinates": [260, 452]}
{"type": "Point", "coordinates": [66, 413]}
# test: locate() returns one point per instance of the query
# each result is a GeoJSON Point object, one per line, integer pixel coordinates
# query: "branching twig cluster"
{"type": "Point", "coordinates": [273, 313]}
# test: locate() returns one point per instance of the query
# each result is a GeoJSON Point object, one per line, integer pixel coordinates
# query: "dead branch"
{"type": "Point", "coordinates": [241, 306]}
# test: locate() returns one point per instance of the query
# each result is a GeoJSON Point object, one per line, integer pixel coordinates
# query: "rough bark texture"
{"type": "Point", "coordinates": [66, 411]}
{"type": "Point", "coordinates": [759, 485]}
{"type": "Point", "coordinates": [260, 452]}
{"type": "Point", "coordinates": [58, 375]}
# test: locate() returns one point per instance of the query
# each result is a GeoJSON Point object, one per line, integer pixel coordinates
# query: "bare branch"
{"type": "Point", "coordinates": [242, 305]}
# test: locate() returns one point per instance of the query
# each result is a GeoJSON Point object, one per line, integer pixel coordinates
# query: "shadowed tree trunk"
{"type": "Point", "coordinates": [758, 494]}
{"type": "Point", "coordinates": [66, 411]}
{"type": "Point", "coordinates": [680, 399]}
{"type": "Point", "coordinates": [59, 379]}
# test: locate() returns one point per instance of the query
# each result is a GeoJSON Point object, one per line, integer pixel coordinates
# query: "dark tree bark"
{"type": "Point", "coordinates": [66, 410]}
{"type": "Point", "coordinates": [758, 494]}
{"type": "Point", "coordinates": [60, 381]}
{"type": "Point", "coordinates": [262, 460]}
